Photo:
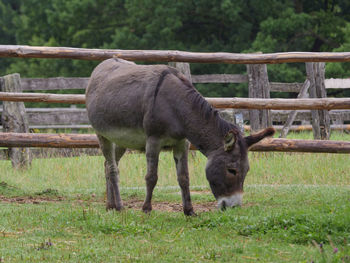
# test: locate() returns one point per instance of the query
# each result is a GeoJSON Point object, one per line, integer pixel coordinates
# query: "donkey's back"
{"type": "Point", "coordinates": [120, 97]}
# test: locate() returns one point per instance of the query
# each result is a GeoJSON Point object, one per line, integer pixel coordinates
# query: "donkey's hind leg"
{"type": "Point", "coordinates": [112, 154]}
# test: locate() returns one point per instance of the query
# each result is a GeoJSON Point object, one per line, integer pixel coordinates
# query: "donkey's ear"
{"type": "Point", "coordinates": [252, 139]}
{"type": "Point", "coordinates": [230, 140]}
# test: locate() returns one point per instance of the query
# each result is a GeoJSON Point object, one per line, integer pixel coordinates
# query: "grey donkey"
{"type": "Point", "coordinates": [154, 107]}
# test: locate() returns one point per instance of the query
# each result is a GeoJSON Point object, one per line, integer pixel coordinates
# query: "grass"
{"type": "Point", "coordinates": [296, 209]}
{"type": "Point", "coordinates": [273, 228]}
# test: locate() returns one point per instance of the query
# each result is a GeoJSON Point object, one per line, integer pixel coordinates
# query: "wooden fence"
{"type": "Point", "coordinates": [257, 78]}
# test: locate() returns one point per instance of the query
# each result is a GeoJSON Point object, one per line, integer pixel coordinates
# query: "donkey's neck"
{"type": "Point", "coordinates": [203, 126]}
{"type": "Point", "coordinates": [206, 134]}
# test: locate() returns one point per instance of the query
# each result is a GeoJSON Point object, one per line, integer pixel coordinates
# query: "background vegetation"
{"type": "Point", "coordinates": [196, 25]}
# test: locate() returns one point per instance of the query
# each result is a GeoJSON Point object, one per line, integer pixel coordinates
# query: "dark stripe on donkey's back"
{"type": "Point", "coordinates": [160, 81]}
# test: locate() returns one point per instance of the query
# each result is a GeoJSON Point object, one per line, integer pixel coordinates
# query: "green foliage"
{"type": "Point", "coordinates": [198, 25]}
{"type": "Point", "coordinates": [341, 70]}
{"type": "Point", "coordinates": [318, 28]}
{"type": "Point", "coordinates": [302, 228]}
{"type": "Point", "coordinates": [7, 31]}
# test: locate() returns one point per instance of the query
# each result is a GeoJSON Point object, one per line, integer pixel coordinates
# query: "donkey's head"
{"type": "Point", "coordinates": [227, 167]}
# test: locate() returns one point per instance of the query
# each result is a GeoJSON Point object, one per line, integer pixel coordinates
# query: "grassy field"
{"type": "Point", "coordinates": [296, 209]}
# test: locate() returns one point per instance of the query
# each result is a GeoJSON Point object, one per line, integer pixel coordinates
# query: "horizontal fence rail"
{"type": "Point", "coordinates": [313, 146]}
{"type": "Point", "coordinates": [281, 104]}
{"type": "Point", "coordinates": [90, 141]}
{"type": "Point", "coordinates": [77, 117]}
{"type": "Point", "coordinates": [61, 83]}
{"type": "Point", "coordinates": [42, 97]}
{"type": "Point", "coordinates": [46, 140]}
{"type": "Point", "coordinates": [219, 78]}
{"type": "Point", "coordinates": [299, 128]}
{"type": "Point", "coordinates": [238, 103]}
{"type": "Point", "coordinates": [296, 128]}
{"type": "Point", "coordinates": [170, 55]}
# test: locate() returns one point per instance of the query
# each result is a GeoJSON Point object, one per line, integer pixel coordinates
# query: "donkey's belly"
{"type": "Point", "coordinates": [126, 137]}
{"type": "Point", "coordinates": [134, 138]}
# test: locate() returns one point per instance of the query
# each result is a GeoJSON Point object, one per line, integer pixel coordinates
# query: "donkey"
{"type": "Point", "coordinates": [153, 107]}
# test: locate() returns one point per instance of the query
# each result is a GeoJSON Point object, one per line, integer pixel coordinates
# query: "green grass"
{"type": "Point", "coordinates": [292, 204]}
{"type": "Point", "coordinates": [275, 227]}
{"type": "Point", "coordinates": [84, 175]}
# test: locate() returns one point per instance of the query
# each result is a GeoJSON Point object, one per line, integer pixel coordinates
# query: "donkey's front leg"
{"type": "Point", "coordinates": [181, 160]}
{"type": "Point", "coordinates": [152, 156]}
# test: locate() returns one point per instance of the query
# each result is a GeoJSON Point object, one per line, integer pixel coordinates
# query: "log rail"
{"type": "Point", "coordinates": [90, 141]}
{"type": "Point", "coordinates": [239, 103]}
{"type": "Point", "coordinates": [170, 55]}
{"type": "Point", "coordinates": [62, 83]}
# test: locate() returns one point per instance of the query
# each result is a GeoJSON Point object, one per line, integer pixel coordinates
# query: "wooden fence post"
{"type": "Point", "coordinates": [259, 87]}
{"type": "Point", "coordinates": [320, 118]}
{"type": "Point", "coordinates": [184, 68]}
{"type": "Point", "coordinates": [14, 119]}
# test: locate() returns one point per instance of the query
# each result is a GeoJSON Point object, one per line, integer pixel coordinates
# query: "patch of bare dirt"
{"type": "Point", "coordinates": [29, 199]}
{"type": "Point", "coordinates": [170, 207]}
{"type": "Point", "coordinates": [134, 204]}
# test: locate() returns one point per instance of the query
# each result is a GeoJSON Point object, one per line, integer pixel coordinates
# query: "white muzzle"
{"type": "Point", "coordinates": [230, 201]}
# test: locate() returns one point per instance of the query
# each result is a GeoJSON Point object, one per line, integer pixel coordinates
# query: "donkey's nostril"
{"type": "Point", "coordinates": [223, 206]}
{"type": "Point", "coordinates": [232, 171]}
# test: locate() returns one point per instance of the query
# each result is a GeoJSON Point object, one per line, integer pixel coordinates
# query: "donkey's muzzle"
{"type": "Point", "coordinates": [230, 201]}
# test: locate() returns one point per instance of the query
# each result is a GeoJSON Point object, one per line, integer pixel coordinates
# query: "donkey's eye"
{"type": "Point", "coordinates": [232, 171]}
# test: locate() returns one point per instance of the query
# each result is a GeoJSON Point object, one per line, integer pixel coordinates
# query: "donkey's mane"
{"type": "Point", "coordinates": [205, 109]}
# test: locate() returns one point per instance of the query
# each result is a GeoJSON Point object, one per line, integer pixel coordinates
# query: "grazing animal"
{"type": "Point", "coordinates": [155, 107]}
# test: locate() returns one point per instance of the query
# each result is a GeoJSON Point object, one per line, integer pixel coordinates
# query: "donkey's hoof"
{"type": "Point", "coordinates": [110, 207]}
{"type": "Point", "coordinates": [190, 212]}
{"type": "Point", "coordinates": [147, 212]}
{"type": "Point", "coordinates": [147, 208]}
